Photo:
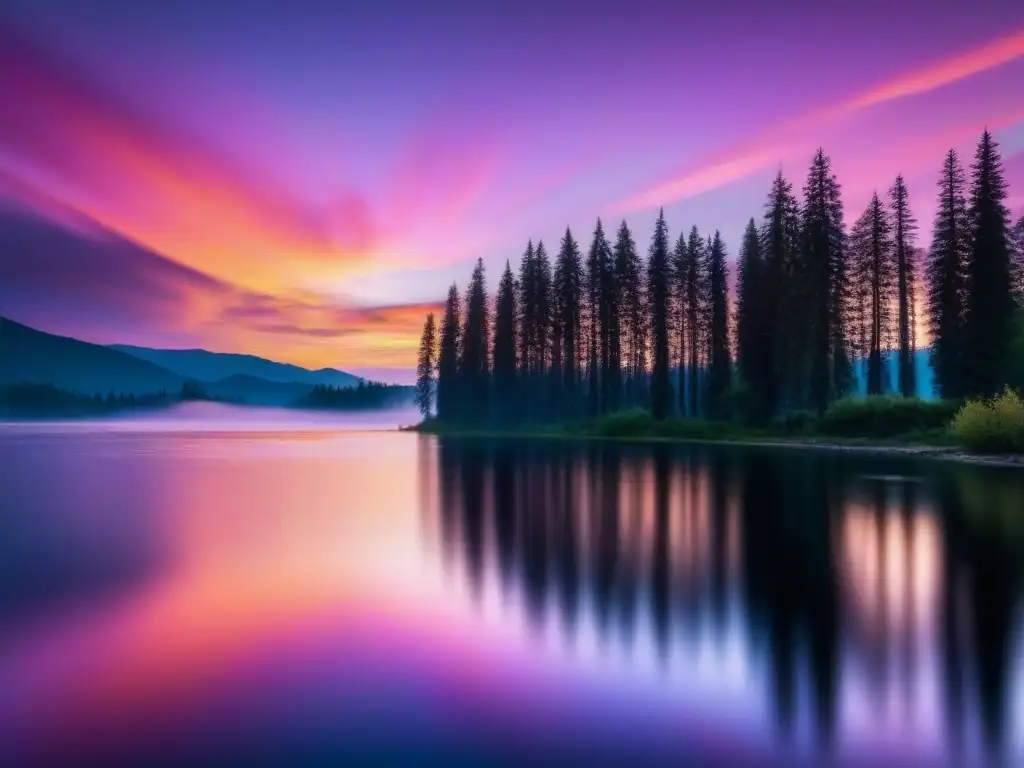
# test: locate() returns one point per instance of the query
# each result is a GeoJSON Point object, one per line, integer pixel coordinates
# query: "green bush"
{"type": "Point", "coordinates": [797, 423]}
{"type": "Point", "coordinates": [883, 417]}
{"type": "Point", "coordinates": [992, 426]}
{"type": "Point", "coordinates": [693, 429]}
{"type": "Point", "coordinates": [635, 422]}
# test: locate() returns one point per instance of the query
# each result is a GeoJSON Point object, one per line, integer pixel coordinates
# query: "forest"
{"type": "Point", "coordinates": [813, 302]}
{"type": "Point", "coordinates": [366, 395]}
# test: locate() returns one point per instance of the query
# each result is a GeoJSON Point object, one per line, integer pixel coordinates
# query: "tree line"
{"type": "Point", "coordinates": [599, 331]}
{"type": "Point", "coordinates": [366, 395]}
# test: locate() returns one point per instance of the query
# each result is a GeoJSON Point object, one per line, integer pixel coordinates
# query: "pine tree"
{"type": "Point", "coordinates": [680, 310]}
{"type": "Point", "coordinates": [990, 302]}
{"type": "Point", "coordinates": [611, 334]}
{"type": "Point", "coordinates": [534, 326]}
{"type": "Point", "coordinates": [947, 275]}
{"type": "Point", "coordinates": [720, 359]}
{"type": "Point", "coordinates": [425, 367]}
{"type": "Point", "coordinates": [750, 317]}
{"type": "Point", "coordinates": [474, 367]}
{"type": "Point", "coordinates": [448, 359]}
{"type": "Point", "coordinates": [824, 268]}
{"type": "Point", "coordinates": [526, 323]}
{"type": "Point", "coordinates": [568, 280]}
{"type": "Point", "coordinates": [786, 309]}
{"type": "Point", "coordinates": [904, 230]}
{"type": "Point", "coordinates": [658, 293]}
{"type": "Point", "coordinates": [694, 296]}
{"type": "Point", "coordinates": [598, 263]}
{"type": "Point", "coordinates": [1018, 262]}
{"type": "Point", "coordinates": [632, 311]}
{"type": "Point", "coordinates": [872, 260]}
{"type": "Point", "coordinates": [504, 355]}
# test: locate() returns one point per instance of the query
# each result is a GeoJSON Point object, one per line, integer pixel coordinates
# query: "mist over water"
{"type": "Point", "coordinates": [224, 417]}
{"type": "Point", "coordinates": [268, 591]}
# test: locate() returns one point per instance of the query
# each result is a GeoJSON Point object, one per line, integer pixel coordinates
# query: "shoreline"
{"type": "Point", "coordinates": [905, 450]}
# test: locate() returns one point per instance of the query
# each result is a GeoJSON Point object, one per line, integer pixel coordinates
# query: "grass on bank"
{"type": "Point", "coordinates": [854, 420]}
{"type": "Point", "coordinates": [982, 426]}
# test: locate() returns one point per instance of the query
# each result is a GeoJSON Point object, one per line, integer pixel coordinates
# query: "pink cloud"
{"type": "Point", "coordinates": [781, 141]}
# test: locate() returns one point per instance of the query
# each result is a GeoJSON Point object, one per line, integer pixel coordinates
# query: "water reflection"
{"type": "Point", "coordinates": [864, 607]}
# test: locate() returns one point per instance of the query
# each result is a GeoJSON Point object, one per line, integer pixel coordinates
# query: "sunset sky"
{"type": "Point", "coordinates": [302, 180]}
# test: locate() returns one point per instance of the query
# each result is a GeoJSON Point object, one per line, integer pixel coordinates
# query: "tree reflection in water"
{"type": "Point", "coordinates": [869, 601]}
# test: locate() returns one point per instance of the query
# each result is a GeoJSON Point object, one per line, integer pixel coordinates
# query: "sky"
{"type": "Point", "coordinates": [304, 180]}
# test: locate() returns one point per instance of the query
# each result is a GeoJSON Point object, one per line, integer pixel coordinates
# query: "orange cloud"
{"type": "Point", "coordinates": [778, 143]}
{"type": "Point", "coordinates": [135, 176]}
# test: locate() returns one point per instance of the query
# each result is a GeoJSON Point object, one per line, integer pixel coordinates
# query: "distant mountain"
{"type": "Point", "coordinates": [31, 356]}
{"type": "Point", "coordinates": [216, 366]}
{"type": "Point", "coordinates": [255, 391]}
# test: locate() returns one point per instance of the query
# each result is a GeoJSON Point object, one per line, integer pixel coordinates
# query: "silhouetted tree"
{"type": "Point", "coordinates": [474, 366]}
{"type": "Point", "coordinates": [787, 311]}
{"type": "Point", "coordinates": [989, 299]}
{"type": "Point", "coordinates": [871, 252]}
{"type": "Point", "coordinates": [824, 275]}
{"type": "Point", "coordinates": [946, 271]}
{"type": "Point", "coordinates": [448, 359]}
{"type": "Point", "coordinates": [694, 291]}
{"type": "Point", "coordinates": [611, 334]}
{"type": "Point", "coordinates": [633, 313]}
{"type": "Point", "coordinates": [679, 310]}
{"type": "Point", "coordinates": [750, 315]}
{"type": "Point", "coordinates": [425, 367]}
{"type": "Point", "coordinates": [658, 293]}
{"type": "Point", "coordinates": [534, 326]}
{"type": "Point", "coordinates": [720, 359]}
{"type": "Point", "coordinates": [597, 314]}
{"type": "Point", "coordinates": [504, 354]}
{"type": "Point", "coordinates": [568, 280]}
{"type": "Point", "coordinates": [904, 230]}
{"type": "Point", "coordinates": [1018, 262]}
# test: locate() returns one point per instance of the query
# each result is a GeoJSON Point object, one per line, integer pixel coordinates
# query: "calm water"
{"type": "Point", "coordinates": [273, 592]}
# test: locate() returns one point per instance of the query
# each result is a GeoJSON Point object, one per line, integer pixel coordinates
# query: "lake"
{"type": "Point", "coordinates": [238, 586]}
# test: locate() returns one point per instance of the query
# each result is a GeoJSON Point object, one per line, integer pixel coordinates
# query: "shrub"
{"type": "Point", "coordinates": [992, 426]}
{"type": "Point", "coordinates": [635, 422]}
{"type": "Point", "coordinates": [797, 423]}
{"type": "Point", "coordinates": [693, 429]}
{"type": "Point", "coordinates": [886, 416]}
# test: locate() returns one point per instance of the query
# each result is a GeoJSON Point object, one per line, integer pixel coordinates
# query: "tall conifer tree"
{"type": "Point", "coordinates": [786, 309]}
{"type": "Point", "coordinates": [425, 367]}
{"type": "Point", "coordinates": [990, 302]}
{"type": "Point", "coordinates": [658, 293]}
{"type": "Point", "coordinates": [872, 261]}
{"type": "Point", "coordinates": [694, 295]}
{"type": "Point", "coordinates": [611, 333]}
{"type": "Point", "coordinates": [1018, 262]}
{"type": "Point", "coordinates": [527, 324]}
{"type": "Point", "coordinates": [474, 366]}
{"type": "Point", "coordinates": [754, 324]}
{"type": "Point", "coordinates": [633, 313]}
{"type": "Point", "coordinates": [504, 355]}
{"type": "Point", "coordinates": [598, 263]}
{"type": "Point", "coordinates": [824, 271]}
{"type": "Point", "coordinates": [904, 232]}
{"type": "Point", "coordinates": [947, 278]}
{"type": "Point", "coordinates": [448, 359]}
{"type": "Point", "coordinates": [720, 359]}
{"type": "Point", "coordinates": [679, 309]}
{"type": "Point", "coordinates": [567, 293]}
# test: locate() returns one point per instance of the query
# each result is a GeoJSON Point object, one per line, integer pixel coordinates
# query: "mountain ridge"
{"type": "Point", "coordinates": [204, 365]}
{"type": "Point", "coordinates": [28, 355]}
